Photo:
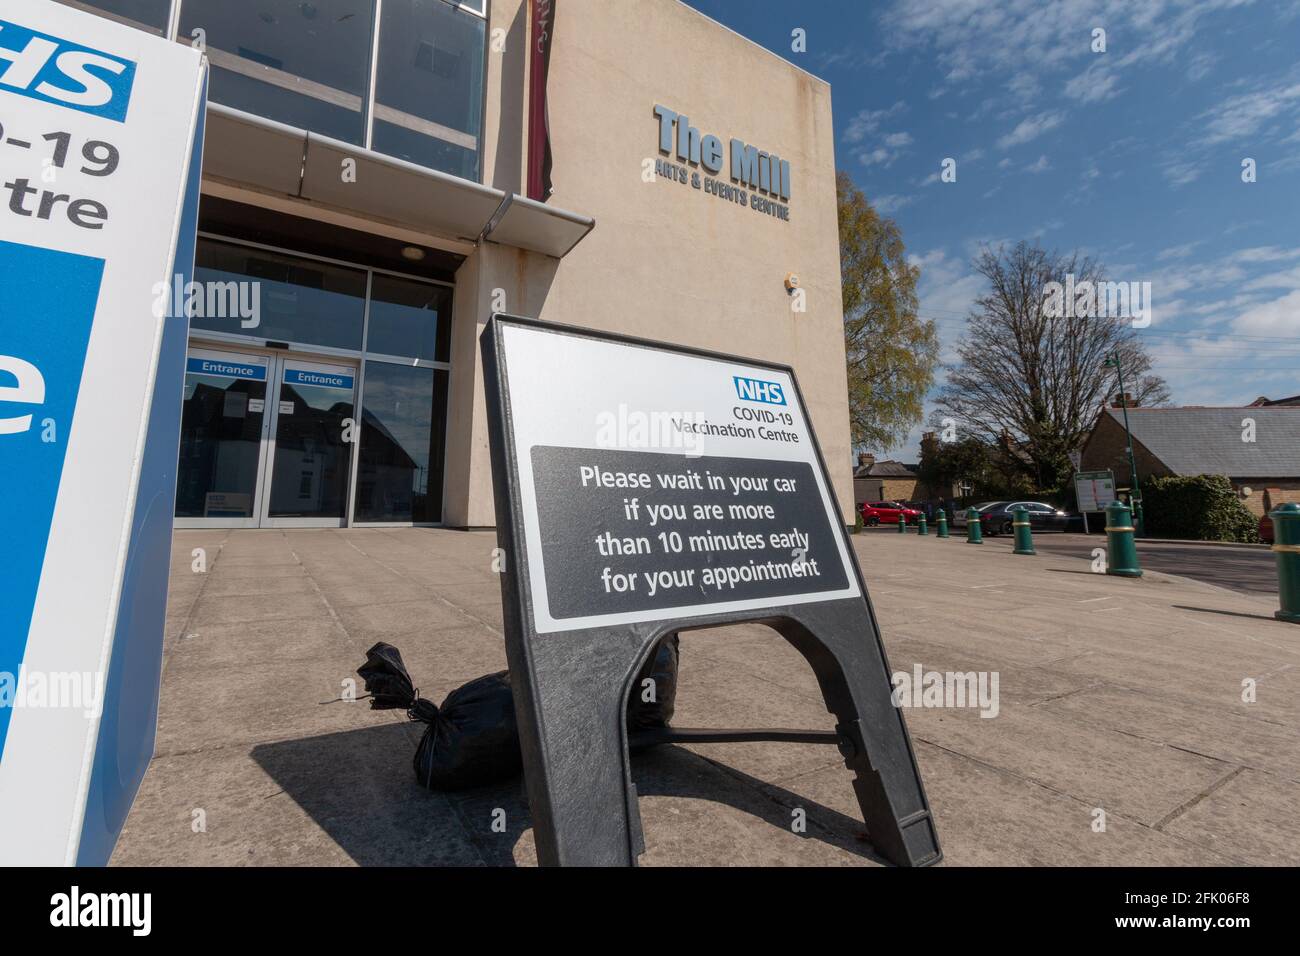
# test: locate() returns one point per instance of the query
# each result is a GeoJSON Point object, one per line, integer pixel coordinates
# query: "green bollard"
{"type": "Point", "coordinates": [1024, 536]}
{"type": "Point", "coordinates": [1121, 552]}
{"type": "Point", "coordinates": [902, 523]}
{"type": "Point", "coordinates": [974, 532]}
{"type": "Point", "coordinates": [1286, 545]}
{"type": "Point", "coordinates": [941, 525]}
{"type": "Point", "coordinates": [920, 525]}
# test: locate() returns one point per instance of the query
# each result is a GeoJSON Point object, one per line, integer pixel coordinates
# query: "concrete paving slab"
{"type": "Point", "coordinates": [338, 799]}
{"type": "Point", "coordinates": [1215, 731]}
{"type": "Point", "coordinates": [207, 647]}
{"type": "Point", "coordinates": [716, 694]}
{"type": "Point", "coordinates": [1252, 816]}
{"type": "Point", "coordinates": [257, 702]}
{"type": "Point", "coordinates": [1104, 768]}
{"type": "Point", "coordinates": [402, 617]}
{"type": "Point", "coordinates": [229, 609]}
{"type": "Point", "coordinates": [989, 817]}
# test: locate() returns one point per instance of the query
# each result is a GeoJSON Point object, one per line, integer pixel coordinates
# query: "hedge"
{"type": "Point", "coordinates": [1198, 507]}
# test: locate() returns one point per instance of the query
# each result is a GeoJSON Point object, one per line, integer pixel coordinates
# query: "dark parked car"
{"type": "Point", "coordinates": [959, 519]}
{"type": "Point", "coordinates": [997, 518]}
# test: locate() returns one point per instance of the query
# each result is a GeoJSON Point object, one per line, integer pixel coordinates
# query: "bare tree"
{"type": "Point", "coordinates": [1038, 374]}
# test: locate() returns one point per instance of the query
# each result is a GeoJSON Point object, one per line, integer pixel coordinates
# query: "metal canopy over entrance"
{"type": "Point", "coordinates": [650, 490]}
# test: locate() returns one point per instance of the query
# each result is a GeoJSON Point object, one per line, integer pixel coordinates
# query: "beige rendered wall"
{"type": "Point", "coordinates": [666, 260]}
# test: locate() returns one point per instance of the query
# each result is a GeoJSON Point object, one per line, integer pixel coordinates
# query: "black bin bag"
{"type": "Point", "coordinates": [472, 740]}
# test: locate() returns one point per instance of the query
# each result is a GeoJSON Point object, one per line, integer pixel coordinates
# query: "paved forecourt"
{"type": "Point", "coordinates": [1114, 696]}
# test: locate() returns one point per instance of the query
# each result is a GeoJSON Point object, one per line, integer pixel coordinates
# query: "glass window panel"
{"type": "Point", "coordinates": [429, 85]}
{"type": "Point", "coordinates": [409, 318]}
{"type": "Point", "coordinates": [148, 15]}
{"type": "Point", "coordinates": [279, 297]}
{"type": "Point", "coordinates": [309, 474]}
{"type": "Point", "coordinates": [403, 416]}
{"type": "Point", "coordinates": [393, 140]}
{"type": "Point", "coordinates": [221, 436]}
{"type": "Point", "coordinates": [301, 62]}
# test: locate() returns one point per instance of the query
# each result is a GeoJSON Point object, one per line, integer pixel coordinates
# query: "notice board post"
{"type": "Point", "coordinates": [102, 139]}
{"type": "Point", "coordinates": [1093, 490]}
{"type": "Point", "coordinates": [643, 490]}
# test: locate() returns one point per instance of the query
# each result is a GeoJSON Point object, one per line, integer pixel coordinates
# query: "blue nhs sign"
{"type": "Point", "coordinates": [757, 390]}
{"type": "Point", "coordinates": [58, 71]}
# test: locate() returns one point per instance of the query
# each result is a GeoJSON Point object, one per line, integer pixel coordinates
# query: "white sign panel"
{"type": "Point", "coordinates": [1094, 490]}
{"type": "Point", "coordinates": [99, 165]}
{"type": "Point", "coordinates": [658, 484]}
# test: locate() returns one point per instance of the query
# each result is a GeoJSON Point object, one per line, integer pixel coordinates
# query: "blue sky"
{"type": "Point", "coordinates": [1132, 155]}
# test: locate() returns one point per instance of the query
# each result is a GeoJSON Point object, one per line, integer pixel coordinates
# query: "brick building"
{"type": "Point", "coordinates": [1257, 447]}
{"type": "Point", "coordinates": [885, 480]}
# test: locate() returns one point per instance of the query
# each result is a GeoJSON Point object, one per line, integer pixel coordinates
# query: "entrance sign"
{"type": "Point", "coordinates": [642, 490]}
{"type": "Point", "coordinates": [1094, 490]}
{"type": "Point", "coordinates": [102, 133]}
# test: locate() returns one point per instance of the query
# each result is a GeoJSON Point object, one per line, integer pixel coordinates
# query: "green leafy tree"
{"type": "Point", "coordinates": [891, 352]}
{"type": "Point", "coordinates": [970, 460]}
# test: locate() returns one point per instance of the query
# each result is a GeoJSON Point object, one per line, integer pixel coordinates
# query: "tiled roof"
{"type": "Point", "coordinates": [885, 469]}
{"type": "Point", "coordinates": [1194, 441]}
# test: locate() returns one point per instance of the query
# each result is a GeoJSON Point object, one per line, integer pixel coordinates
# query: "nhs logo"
{"type": "Point", "coordinates": [757, 390]}
{"type": "Point", "coordinates": [64, 73]}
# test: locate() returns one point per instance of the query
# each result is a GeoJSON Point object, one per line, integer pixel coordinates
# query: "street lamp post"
{"type": "Point", "coordinates": [1138, 516]}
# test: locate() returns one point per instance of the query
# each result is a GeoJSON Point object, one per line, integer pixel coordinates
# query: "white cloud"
{"type": "Point", "coordinates": [1031, 128]}
{"type": "Point", "coordinates": [1024, 86]}
{"type": "Point", "coordinates": [1179, 252]}
{"type": "Point", "coordinates": [889, 204]}
{"type": "Point", "coordinates": [1239, 117]}
{"type": "Point", "coordinates": [1033, 38]}
{"type": "Point", "coordinates": [1180, 172]}
{"type": "Point", "coordinates": [946, 293]}
{"type": "Point", "coordinates": [867, 122]}
{"type": "Point", "coordinates": [1279, 317]}
{"type": "Point", "coordinates": [1040, 165]}
{"type": "Point", "coordinates": [894, 145]}
{"type": "Point", "coordinates": [1096, 84]}
{"type": "Point", "coordinates": [1201, 66]}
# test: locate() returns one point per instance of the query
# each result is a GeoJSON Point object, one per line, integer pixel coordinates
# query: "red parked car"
{"type": "Point", "coordinates": [886, 512]}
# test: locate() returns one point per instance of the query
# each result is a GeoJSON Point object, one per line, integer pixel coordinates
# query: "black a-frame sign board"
{"type": "Point", "coordinates": [642, 490]}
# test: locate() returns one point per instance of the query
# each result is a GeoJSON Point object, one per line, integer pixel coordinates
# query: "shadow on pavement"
{"type": "Point", "coordinates": [359, 788]}
{"type": "Point", "coordinates": [1211, 610]}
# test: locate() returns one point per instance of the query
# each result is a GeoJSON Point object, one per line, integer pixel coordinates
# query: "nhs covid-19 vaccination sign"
{"type": "Point", "coordinates": [652, 489]}
{"type": "Point", "coordinates": [100, 151]}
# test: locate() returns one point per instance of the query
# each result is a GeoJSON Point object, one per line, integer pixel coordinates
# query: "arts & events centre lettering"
{"type": "Point", "coordinates": [753, 171]}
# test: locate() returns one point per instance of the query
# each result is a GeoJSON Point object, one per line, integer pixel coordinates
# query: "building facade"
{"type": "Point", "coordinates": [1257, 448]}
{"type": "Point", "coordinates": [364, 213]}
{"type": "Point", "coordinates": [884, 480]}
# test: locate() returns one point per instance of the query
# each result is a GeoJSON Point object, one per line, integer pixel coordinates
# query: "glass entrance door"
{"type": "Point", "coordinates": [266, 441]}
{"type": "Point", "coordinates": [223, 426]}
{"type": "Point", "coordinates": [310, 452]}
